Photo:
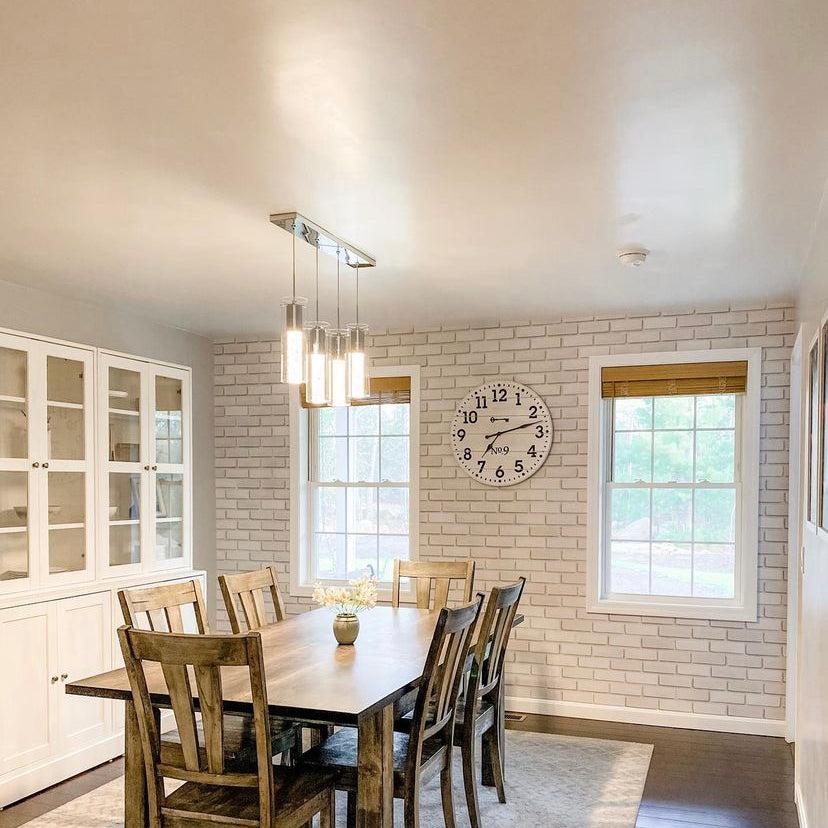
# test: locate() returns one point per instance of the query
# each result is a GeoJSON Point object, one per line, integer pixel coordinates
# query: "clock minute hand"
{"type": "Point", "coordinates": [506, 431]}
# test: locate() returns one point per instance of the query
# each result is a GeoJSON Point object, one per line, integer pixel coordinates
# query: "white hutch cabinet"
{"type": "Point", "coordinates": [95, 496]}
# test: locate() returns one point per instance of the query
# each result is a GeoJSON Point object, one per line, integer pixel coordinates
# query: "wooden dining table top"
{"type": "Point", "coordinates": [308, 675]}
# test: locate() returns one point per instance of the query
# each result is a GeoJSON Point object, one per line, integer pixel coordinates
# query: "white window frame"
{"type": "Point", "coordinates": [301, 578]}
{"type": "Point", "coordinates": [743, 607]}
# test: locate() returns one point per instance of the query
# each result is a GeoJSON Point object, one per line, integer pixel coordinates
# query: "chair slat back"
{"type": "Point", "coordinates": [248, 589]}
{"type": "Point", "coordinates": [493, 638]}
{"type": "Point", "coordinates": [436, 576]}
{"type": "Point", "coordinates": [435, 707]}
{"type": "Point", "coordinates": [181, 657]}
{"type": "Point", "coordinates": [158, 608]}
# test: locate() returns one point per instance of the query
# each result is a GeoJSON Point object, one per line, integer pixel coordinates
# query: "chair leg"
{"type": "Point", "coordinates": [327, 816]}
{"type": "Point", "coordinates": [467, 750]}
{"type": "Point", "coordinates": [493, 762]}
{"type": "Point", "coordinates": [411, 806]}
{"type": "Point", "coordinates": [352, 803]}
{"type": "Point", "coordinates": [447, 793]}
{"type": "Point", "coordinates": [494, 747]}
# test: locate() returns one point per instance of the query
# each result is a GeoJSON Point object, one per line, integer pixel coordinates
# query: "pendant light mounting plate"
{"type": "Point", "coordinates": [309, 231]}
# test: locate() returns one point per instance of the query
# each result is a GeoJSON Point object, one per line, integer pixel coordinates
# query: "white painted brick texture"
{"type": "Point", "coordinates": [537, 528]}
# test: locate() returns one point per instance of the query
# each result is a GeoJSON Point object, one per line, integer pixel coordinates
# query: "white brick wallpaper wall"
{"type": "Point", "coordinates": [537, 528]}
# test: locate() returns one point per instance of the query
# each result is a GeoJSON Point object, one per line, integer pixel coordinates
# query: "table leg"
{"type": "Point", "coordinates": [136, 813]}
{"type": "Point", "coordinates": [375, 771]}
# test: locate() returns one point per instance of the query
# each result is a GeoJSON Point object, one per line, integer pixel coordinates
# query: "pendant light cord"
{"type": "Point", "coordinates": [317, 284]}
{"type": "Point", "coordinates": [357, 293]}
{"type": "Point", "coordinates": [337, 288]}
{"type": "Point", "coordinates": [294, 266]}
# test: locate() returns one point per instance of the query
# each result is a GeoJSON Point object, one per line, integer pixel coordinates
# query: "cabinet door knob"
{"type": "Point", "coordinates": [35, 465]}
{"type": "Point", "coordinates": [54, 679]}
{"type": "Point", "coordinates": [64, 676]}
{"type": "Point", "coordinates": [45, 465]}
{"type": "Point", "coordinates": [155, 468]}
{"type": "Point", "coordinates": [146, 468]}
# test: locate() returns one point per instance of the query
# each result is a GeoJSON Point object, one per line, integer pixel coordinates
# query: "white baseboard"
{"type": "Point", "coordinates": [639, 715]}
{"type": "Point", "coordinates": [800, 806]}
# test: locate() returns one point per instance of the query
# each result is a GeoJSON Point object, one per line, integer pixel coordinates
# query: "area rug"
{"type": "Point", "coordinates": [554, 781]}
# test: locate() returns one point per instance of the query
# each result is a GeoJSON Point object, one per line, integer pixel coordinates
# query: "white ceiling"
{"type": "Point", "coordinates": [491, 155]}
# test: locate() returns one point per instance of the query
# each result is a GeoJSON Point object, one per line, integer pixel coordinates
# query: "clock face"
{"type": "Point", "coordinates": [501, 433]}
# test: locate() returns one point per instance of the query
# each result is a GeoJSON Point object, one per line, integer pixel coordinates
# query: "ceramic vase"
{"type": "Point", "coordinates": [346, 628]}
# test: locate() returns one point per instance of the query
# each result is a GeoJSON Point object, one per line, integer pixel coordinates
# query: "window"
{"type": "Point", "coordinates": [671, 489]}
{"type": "Point", "coordinates": [671, 496]}
{"type": "Point", "coordinates": [813, 433]}
{"type": "Point", "coordinates": [359, 493]}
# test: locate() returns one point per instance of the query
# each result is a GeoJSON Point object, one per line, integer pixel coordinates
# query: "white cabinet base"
{"type": "Point", "coordinates": [64, 735]}
{"type": "Point", "coordinates": [26, 781]}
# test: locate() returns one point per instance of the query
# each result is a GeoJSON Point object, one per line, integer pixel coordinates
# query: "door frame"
{"type": "Point", "coordinates": [795, 516]}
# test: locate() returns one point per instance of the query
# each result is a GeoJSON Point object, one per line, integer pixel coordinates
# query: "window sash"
{"type": "Point", "coordinates": [608, 485]}
{"type": "Point", "coordinates": [315, 484]}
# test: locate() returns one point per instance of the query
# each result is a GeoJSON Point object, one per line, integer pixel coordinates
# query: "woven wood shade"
{"type": "Point", "coordinates": [381, 390]}
{"type": "Point", "coordinates": [672, 380]}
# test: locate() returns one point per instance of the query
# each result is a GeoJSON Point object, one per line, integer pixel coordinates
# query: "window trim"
{"type": "Point", "coordinates": [744, 606]}
{"type": "Point", "coordinates": [301, 583]}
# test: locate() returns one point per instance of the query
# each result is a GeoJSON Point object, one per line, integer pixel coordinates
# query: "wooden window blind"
{"type": "Point", "coordinates": [675, 379]}
{"type": "Point", "coordinates": [384, 390]}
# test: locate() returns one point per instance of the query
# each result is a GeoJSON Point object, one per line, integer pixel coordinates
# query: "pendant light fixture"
{"type": "Point", "coordinates": [316, 363]}
{"type": "Point", "coordinates": [293, 334]}
{"type": "Point", "coordinates": [338, 353]}
{"type": "Point", "coordinates": [357, 354]}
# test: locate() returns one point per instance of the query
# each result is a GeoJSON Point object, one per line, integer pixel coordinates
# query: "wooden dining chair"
{"type": "Point", "coordinates": [217, 789]}
{"type": "Point", "coordinates": [248, 589]}
{"type": "Point", "coordinates": [432, 577]}
{"type": "Point", "coordinates": [483, 713]}
{"type": "Point", "coordinates": [159, 609]}
{"type": "Point", "coordinates": [427, 748]}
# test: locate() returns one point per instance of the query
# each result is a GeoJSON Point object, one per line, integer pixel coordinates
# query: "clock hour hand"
{"type": "Point", "coordinates": [506, 431]}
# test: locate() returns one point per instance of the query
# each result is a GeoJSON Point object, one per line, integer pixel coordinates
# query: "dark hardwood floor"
{"type": "Point", "coordinates": [697, 779]}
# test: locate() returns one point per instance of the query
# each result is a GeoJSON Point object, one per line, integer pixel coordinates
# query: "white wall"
{"type": "Point", "coordinates": [721, 674]}
{"type": "Point", "coordinates": [812, 685]}
{"type": "Point", "coordinates": [35, 311]}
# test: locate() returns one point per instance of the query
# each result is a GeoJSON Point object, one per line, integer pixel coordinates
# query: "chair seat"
{"type": "Point", "coordinates": [339, 753]}
{"type": "Point", "coordinates": [293, 789]}
{"type": "Point", "coordinates": [484, 717]}
{"type": "Point", "coordinates": [239, 742]}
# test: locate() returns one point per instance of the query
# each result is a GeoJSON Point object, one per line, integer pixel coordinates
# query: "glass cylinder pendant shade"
{"type": "Point", "coordinates": [357, 362]}
{"type": "Point", "coordinates": [293, 340]}
{"type": "Point", "coordinates": [338, 367]}
{"type": "Point", "coordinates": [316, 364]}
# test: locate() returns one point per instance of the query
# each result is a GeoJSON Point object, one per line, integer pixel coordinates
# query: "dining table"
{"type": "Point", "coordinates": [309, 679]}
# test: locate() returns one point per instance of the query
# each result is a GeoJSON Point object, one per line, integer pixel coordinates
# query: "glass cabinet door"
{"type": "Point", "coordinates": [16, 489]}
{"type": "Point", "coordinates": [123, 484]}
{"type": "Point", "coordinates": [169, 464]}
{"type": "Point", "coordinates": [67, 463]}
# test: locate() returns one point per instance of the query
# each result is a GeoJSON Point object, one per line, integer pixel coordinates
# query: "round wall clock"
{"type": "Point", "coordinates": [501, 433]}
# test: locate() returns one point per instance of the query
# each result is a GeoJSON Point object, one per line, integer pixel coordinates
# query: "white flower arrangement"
{"type": "Point", "coordinates": [360, 595]}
